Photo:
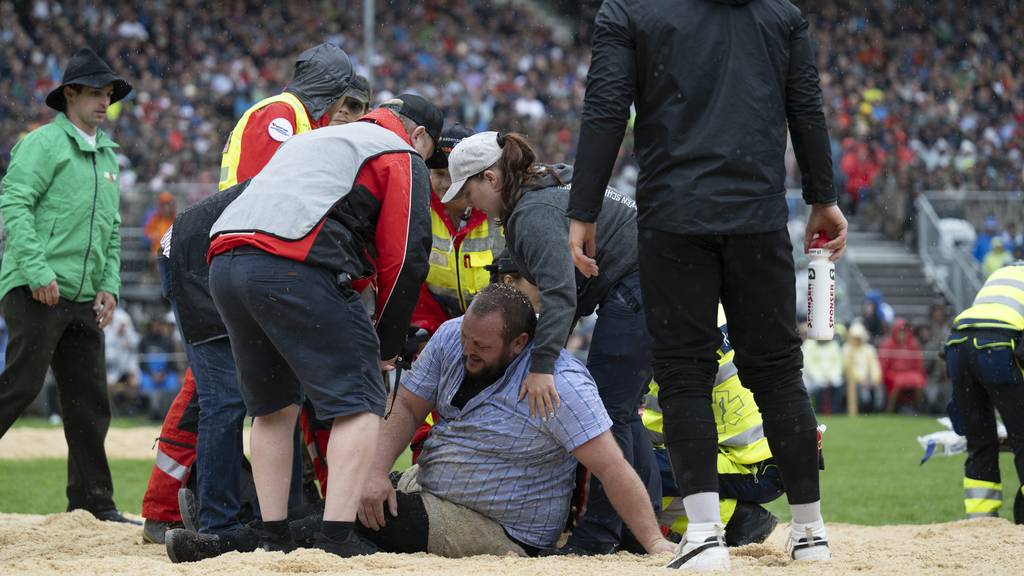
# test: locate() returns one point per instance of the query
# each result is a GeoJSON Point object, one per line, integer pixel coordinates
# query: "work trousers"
{"type": "Point", "coordinates": [683, 279]}
{"type": "Point", "coordinates": [68, 339]}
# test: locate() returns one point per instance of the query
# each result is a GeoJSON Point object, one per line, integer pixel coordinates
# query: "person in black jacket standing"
{"type": "Point", "coordinates": [715, 84]}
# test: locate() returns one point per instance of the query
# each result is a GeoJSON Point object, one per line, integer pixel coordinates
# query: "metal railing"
{"type": "Point", "coordinates": [954, 271]}
{"type": "Point", "coordinates": [848, 277]}
{"type": "Point", "coordinates": [975, 205]}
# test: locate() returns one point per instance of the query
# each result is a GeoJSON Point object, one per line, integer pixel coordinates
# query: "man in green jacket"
{"type": "Point", "coordinates": [59, 278]}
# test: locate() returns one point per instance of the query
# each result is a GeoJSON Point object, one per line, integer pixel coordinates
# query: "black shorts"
{"type": "Point", "coordinates": [294, 330]}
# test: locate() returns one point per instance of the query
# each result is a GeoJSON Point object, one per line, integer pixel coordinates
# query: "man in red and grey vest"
{"type": "Point", "coordinates": [333, 206]}
{"type": "Point", "coordinates": [200, 443]}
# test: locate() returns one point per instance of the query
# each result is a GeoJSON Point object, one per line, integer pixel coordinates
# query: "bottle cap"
{"type": "Point", "coordinates": [820, 239]}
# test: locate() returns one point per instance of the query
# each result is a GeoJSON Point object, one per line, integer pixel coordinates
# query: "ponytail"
{"type": "Point", "coordinates": [519, 167]}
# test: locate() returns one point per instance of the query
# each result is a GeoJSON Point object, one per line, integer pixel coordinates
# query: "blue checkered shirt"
{"type": "Point", "coordinates": [491, 456]}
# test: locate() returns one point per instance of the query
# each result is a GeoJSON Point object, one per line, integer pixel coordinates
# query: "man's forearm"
{"type": "Point", "coordinates": [395, 434]}
{"type": "Point", "coordinates": [629, 498]}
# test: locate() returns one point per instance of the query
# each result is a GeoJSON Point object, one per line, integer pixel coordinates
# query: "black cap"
{"type": "Point", "coordinates": [86, 68]}
{"type": "Point", "coordinates": [423, 113]}
{"type": "Point", "coordinates": [359, 89]}
{"type": "Point", "coordinates": [503, 264]}
{"type": "Point", "coordinates": [449, 139]}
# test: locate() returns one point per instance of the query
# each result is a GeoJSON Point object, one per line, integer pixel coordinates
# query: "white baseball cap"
{"type": "Point", "coordinates": [471, 156]}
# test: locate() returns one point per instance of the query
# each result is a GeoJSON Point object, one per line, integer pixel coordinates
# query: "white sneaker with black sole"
{"type": "Point", "coordinates": [808, 543]}
{"type": "Point", "coordinates": [702, 549]}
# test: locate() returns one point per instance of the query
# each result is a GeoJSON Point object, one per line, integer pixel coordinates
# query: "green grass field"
{"type": "Point", "coordinates": [872, 476]}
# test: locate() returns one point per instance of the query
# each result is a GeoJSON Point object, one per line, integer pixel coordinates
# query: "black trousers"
{"type": "Point", "coordinates": [683, 278]}
{"type": "Point", "coordinates": [68, 339]}
{"type": "Point", "coordinates": [987, 378]}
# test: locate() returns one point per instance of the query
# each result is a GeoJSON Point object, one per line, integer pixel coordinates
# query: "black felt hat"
{"type": "Point", "coordinates": [86, 68]}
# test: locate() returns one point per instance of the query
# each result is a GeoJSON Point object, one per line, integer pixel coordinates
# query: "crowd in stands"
{"type": "Point", "coordinates": [919, 96]}
{"type": "Point", "coordinates": [880, 362]}
{"type": "Point", "coordinates": [996, 247]}
{"type": "Point", "coordinates": [198, 66]}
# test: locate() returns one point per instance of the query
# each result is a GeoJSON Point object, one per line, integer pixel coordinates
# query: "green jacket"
{"type": "Point", "coordinates": [60, 205]}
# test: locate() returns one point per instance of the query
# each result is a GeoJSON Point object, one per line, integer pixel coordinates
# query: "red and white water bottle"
{"type": "Point", "coordinates": [821, 290]}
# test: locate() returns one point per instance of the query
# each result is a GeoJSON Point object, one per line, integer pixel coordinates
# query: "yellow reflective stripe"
{"type": "Point", "coordinates": [955, 341]}
{"type": "Point", "coordinates": [970, 323]}
{"type": "Point", "coordinates": [757, 452]}
{"type": "Point", "coordinates": [440, 243]}
{"type": "Point", "coordinates": [972, 483]}
{"type": "Point", "coordinates": [233, 149]}
{"type": "Point", "coordinates": [726, 370]}
{"type": "Point", "coordinates": [748, 436]}
{"type": "Point", "coordinates": [476, 243]}
{"type": "Point", "coordinates": [982, 506]}
{"type": "Point", "coordinates": [982, 498]}
{"type": "Point", "coordinates": [1007, 344]}
{"type": "Point", "coordinates": [999, 303]}
{"type": "Point", "coordinates": [1003, 300]}
{"type": "Point", "coordinates": [1010, 282]}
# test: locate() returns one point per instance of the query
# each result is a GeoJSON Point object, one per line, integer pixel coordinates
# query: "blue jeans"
{"type": "Point", "coordinates": [219, 451]}
{"type": "Point", "coordinates": [219, 446]}
{"type": "Point", "coordinates": [620, 362]}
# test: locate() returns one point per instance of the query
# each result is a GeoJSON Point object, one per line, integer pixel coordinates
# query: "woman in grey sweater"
{"type": "Point", "coordinates": [500, 175]}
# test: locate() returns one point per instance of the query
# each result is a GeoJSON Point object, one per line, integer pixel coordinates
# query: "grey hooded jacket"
{"type": "Point", "coordinates": [322, 74]}
{"type": "Point", "coordinates": [537, 238]}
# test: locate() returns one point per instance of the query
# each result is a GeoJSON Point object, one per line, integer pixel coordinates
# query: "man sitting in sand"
{"type": "Point", "coordinates": [491, 479]}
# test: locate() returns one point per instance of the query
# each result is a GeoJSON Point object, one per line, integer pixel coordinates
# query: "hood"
{"type": "Point", "coordinates": [859, 332]}
{"type": "Point", "coordinates": [322, 75]}
{"type": "Point", "coordinates": [902, 331]}
{"type": "Point", "coordinates": [874, 296]}
{"type": "Point", "coordinates": [548, 179]}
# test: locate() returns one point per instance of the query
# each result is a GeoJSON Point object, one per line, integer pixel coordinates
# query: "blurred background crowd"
{"type": "Point", "coordinates": [920, 96]}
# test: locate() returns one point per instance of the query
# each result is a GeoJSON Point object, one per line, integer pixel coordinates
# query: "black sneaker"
{"type": "Point", "coordinates": [305, 530]}
{"type": "Point", "coordinates": [115, 516]}
{"type": "Point", "coordinates": [750, 524]}
{"type": "Point", "coordinates": [188, 509]}
{"type": "Point", "coordinates": [153, 530]}
{"type": "Point", "coordinates": [354, 545]}
{"type": "Point", "coordinates": [187, 546]}
{"type": "Point", "coordinates": [272, 542]}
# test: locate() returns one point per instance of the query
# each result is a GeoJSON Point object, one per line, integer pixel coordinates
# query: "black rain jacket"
{"type": "Point", "coordinates": [716, 83]}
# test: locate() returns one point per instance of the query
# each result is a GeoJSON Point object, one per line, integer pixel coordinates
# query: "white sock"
{"type": "Point", "coordinates": [702, 508]}
{"type": "Point", "coordinates": [804, 514]}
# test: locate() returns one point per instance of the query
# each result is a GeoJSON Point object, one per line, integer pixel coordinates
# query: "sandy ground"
{"type": "Point", "coordinates": [122, 443]}
{"type": "Point", "coordinates": [76, 543]}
